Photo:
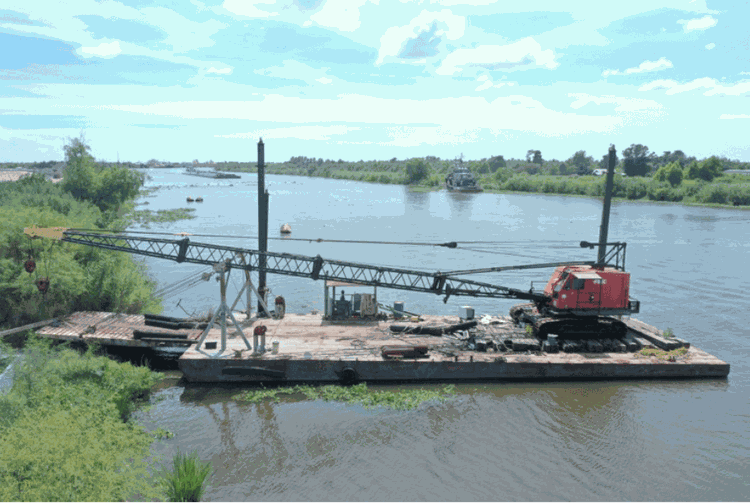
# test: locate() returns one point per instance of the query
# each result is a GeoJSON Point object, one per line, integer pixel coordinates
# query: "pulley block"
{"type": "Point", "coordinates": [42, 284]}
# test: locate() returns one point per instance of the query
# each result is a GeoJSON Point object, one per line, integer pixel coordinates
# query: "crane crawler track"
{"type": "Point", "coordinates": [568, 327]}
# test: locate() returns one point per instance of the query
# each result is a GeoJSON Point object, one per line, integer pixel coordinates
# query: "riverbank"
{"type": "Point", "coordinates": [727, 190]}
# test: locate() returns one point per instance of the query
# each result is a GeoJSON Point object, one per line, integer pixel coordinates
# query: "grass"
{"type": "Point", "coordinates": [663, 355]}
{"type": "Point", "coordinates": [186, 480]}
{"type": "Point", "coordinates": [360, 394]}
{"type": "Point", "coordinates": [668, 333]}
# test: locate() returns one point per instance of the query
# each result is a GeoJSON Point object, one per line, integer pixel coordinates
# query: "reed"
{"type": "Point", "coordinates": [186, 480]}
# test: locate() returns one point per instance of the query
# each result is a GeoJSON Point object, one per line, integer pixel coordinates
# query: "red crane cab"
{"type": "Point", "coordinates": [590, 291]}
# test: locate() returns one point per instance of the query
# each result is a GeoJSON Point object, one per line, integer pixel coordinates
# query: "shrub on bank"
{"type": "Point", "coordinates": [63, 433]}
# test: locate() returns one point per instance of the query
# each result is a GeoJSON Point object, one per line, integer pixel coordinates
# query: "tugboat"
{"type": "Point", "coordinates": [461, 180]}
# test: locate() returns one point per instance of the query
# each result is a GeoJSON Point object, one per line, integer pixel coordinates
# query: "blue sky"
{"type": "Point", "coordinates": [372, 79]}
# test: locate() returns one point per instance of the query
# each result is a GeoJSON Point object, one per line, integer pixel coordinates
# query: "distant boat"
{"type": "Point", "coordinates": [190, 199]}
{"type": "Point", "coordinates": [286, 229]}
{"type": "Point", "coordinates": [209, 174]}
{"type": "Point", "coordinates": [461, 180]}
{"type": "Point", "coordinates": [199, 199]}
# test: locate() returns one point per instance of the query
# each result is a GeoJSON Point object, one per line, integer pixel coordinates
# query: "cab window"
{"type": "Point", "coordinates": [578, 283]}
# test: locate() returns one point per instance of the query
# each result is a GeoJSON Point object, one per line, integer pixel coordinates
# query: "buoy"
{"type": "Point", "coordinates": [286, 229]}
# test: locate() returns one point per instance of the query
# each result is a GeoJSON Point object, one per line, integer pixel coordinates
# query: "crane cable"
{"type": "Point", "coordinates": [450, 244]}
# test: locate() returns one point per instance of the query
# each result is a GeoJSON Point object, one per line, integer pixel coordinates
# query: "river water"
{"type": "Point", "coordinates": [608, 440]}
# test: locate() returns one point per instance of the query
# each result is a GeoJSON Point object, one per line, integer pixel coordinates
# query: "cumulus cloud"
{"type": "Point", "coordinates": [324, 80]}
{"type": "Point", "coordinates": [520, 55]}
{"type": "Point", "coordinates": [247, 8]}
{"type": "Point", "coordinates": [710, 46]}
{"type": "Point", "coordinates": [701, 24]}
{"type": "Point", "coordinates": [646, 66]}
{"type": "Point", "coordinates": [340, 14]}
{"type": "Point", "coordinates": [103, 50]}
{"type": "Point", "coordinates": [713, 87]}
{"type": "Point", "coordinates": [418, 38]}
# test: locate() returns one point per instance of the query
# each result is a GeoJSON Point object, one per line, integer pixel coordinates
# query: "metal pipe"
{"type": "Point", "coordinates": [604, 229]}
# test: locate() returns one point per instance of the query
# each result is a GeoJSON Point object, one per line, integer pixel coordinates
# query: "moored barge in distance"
{"type": "Point", "coordinates": [209, 174]}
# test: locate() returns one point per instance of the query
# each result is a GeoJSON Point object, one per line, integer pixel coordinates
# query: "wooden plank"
{"type": "Point", "coordinates": [31, 326]}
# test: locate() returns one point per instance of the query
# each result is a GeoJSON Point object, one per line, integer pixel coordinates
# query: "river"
{"type": "Point", "coordinates": [609, 440]}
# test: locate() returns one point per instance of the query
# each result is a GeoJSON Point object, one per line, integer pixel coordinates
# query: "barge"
{"type": "Point", "coordinates": [312, 349]}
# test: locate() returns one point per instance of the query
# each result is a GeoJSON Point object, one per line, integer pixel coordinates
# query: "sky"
{"type": "Point", "coordinates": [372, 79]}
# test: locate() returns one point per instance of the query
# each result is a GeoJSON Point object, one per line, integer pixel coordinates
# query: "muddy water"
{"type": "Point", "coordinates": [633, 440]}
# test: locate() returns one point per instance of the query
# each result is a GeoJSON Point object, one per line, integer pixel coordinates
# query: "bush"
{"type": "Point", "coordinates": [62, 431]}
{"type": "Point", "coordinates": [713, 193]}
{"type": "Point", "coordinates": [417, 170]}
{"type": "Point", "coordinates": [739, 195]}
{"type": "Point", "coordinates": [671, 173]}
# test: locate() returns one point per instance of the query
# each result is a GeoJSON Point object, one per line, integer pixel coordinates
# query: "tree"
{"type": "Point", "coordinates": [581, 162]}
{"type": "Point", "coordinates": [636, 158]}
{"type": "Point", "coordinates": [86, 180]}
{"type": "Point", "coordinates": [496, 162]}
{"type": "Point", "coordinates": [534, 156]}
{"type": "Point", "coordinates": [604, 163]}
{"type": "Point", "coordinates": [671, 173]}
{"type": "Point", "coordinates": [417, 170]}
{"type": "Point", "coordinates": [706, 170]}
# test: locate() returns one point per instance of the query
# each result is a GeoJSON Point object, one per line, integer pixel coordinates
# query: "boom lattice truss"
{"type": "Point", "coordinates": [184, 250]}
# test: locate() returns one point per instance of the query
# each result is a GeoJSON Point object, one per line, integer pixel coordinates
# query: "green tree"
{"type": "Point", "coordinates": [671, 173]}
{"type": "Point", "coordinates": [581, 162]}
{"type": "Point", "coordinates": [706, 170]}
{"type": "Point", "coordinates": [636, 159]}
{"type": "Point", "coordinates": [417, 170]}
{"type": "Point", "coordinates": [86, 180]}
{"type": "Point", "coordinates": [496, 162]}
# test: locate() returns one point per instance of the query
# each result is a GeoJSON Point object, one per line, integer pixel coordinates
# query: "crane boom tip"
{"type": "Point", "coordinates": [45, 232]}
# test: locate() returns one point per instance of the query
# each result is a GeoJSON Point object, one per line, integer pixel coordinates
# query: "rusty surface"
{"type": "Point", "coordinates": [313, 349]}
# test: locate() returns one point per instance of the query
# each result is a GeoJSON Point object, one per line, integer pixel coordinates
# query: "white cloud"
{"type": "Point", "coordinates": [646, 66]}
{"type": "Point", "coordinates": [520, 55]}
{"type": "Point", "coordinates": [484, 85]}
{"type": "Point", "coordinates": [623, 104]}
{"type": "Point", "coordinates": [297, 132]}
{"type": "Point", "coordinates": [703, 23]}
{"type": "Point", "coordinates": [514, 112]}
{"type": "Point", "coordinates": [103, 50]}
{"type": "Point", "coordinates": [340, 14]}
{"type": "Point", "coordinates": [294, 70]}
{"type": "Point", "coordinates": [247, 8]}
{"type": "Point", "coordinates": [712, 86]}
{"type": "Point", "coordinates": [221, 71]}
{"type": "Point", "coordinates": [447, 24]}
{"type": "Point", "coordinates": [324, 80]}
{"type": "Point", "coordinates": [710, 46]}
{"type": "Point", "coordinates": [730, 116]}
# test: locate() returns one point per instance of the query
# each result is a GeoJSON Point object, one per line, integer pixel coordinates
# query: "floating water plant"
{"type": "Point", "coordinates": [399, 400]}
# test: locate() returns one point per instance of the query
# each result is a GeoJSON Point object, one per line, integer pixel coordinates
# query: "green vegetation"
{"type": "Point", "coordinates": [81, 278]}
{"type": "Point", "coordinates": [401, 400]}
{"type": "Point", "coordinates": [664, 355]}
{"type": "Point", "coordinates": [64, 428]}
{"type": "Point", "coordinates": [670, 177]}
{"type": "Point", "coordinates": [185, 481]}
{"type": "Point", "coordinates": [668, 333]}
{"type": "Point", "coordinates": [145, 217]}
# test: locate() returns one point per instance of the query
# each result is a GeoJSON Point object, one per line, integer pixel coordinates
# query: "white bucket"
{"type": "Point", "coordinates": [275, 348]}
